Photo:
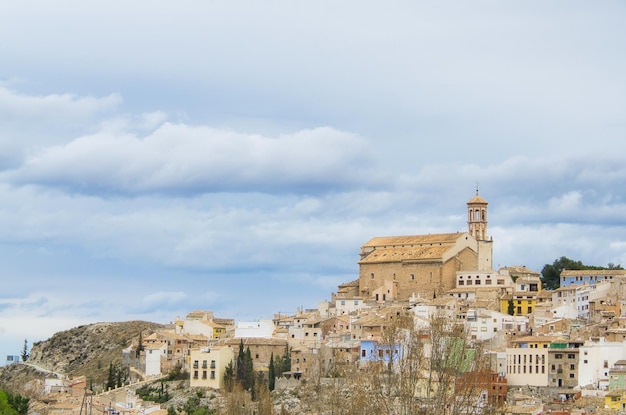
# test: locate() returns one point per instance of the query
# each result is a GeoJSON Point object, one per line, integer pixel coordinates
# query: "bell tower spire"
{"type": "Point", "coordinates": [477, 217]}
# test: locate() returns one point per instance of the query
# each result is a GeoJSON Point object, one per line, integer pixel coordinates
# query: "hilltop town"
{"type": "Point", "coordinates": [428, 327]}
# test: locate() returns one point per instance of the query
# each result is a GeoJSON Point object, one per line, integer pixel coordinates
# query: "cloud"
{"type": "Point", "coordinates": [52, 106]}
{"type": "Point", "coordinates": [179, 158]}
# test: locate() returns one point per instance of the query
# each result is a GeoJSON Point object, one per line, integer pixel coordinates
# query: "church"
{"type": "Point", "coordinates": [398, 267]}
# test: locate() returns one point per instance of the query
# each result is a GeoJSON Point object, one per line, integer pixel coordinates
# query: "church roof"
{"type": "Point", "coordinates": [392, 254]}
{"type": "Point", "coordinates": [477, 199]}
{"type": "Point", "coordinates": [381, 241]}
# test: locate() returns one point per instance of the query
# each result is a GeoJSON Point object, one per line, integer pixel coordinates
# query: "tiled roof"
{"type": "Point", "coordinates": [585, 272]}
{"type": "Point", "coordinates": [537, 339]}
{"type": "Point", "coordinates": [477, 199]}
{"type": "Point", "coordinates": [405, 254]}
{"type": "Point", "coordinates": [521, 269]}
{"type": "Point", "coordinates": [447, 238]}
{"type": "Point", "coordinates": [370, 321]}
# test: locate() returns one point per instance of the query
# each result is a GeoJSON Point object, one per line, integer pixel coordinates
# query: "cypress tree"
{"type": "Point", "coordinates": [286, 362]}
{"type": "Point", "coordinates": [111, 378]}
{"type": "Point", "coordinates": [248, 383]}
{"type": "Point", "coordinates": [241, 367]}
{"type": "Point", "coordinates": [511, 308]}
{"type": "Point", "coordinates": [229, 375]}
{"type": "Point", "coordinates": [25, 354]}
{"type": "Point", "coordinates": [271, 374]}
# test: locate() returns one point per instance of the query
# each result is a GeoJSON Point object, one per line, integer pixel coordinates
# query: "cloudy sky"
{"type": "Point", "coordinates": [158, 157]}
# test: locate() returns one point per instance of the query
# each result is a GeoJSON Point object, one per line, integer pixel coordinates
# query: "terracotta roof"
{"type": "Point", "coordinates": [586, 272]}
{"type": "Point", "coordinates": [537, 339]}
{"type": "Point", "coordinates": [447, 238]}
{"type": "Point", "coordinates": [475, 288]}
{"type": "Point", "coordinates": [253, 341]}
{"type": "Point", "coordinates": [405, 254]}
{"type": "Point", "coordinates": [520, 269]}
{"type": "Point", "coordinates": [370, 321]}
{"type": "Point", "coordinates": [477, 199]}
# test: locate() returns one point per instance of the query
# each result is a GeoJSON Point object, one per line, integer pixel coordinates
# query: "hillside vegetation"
{"type": "Point", "coordinates": [85, 350]}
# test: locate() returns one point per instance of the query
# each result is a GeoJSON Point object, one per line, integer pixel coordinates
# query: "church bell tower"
{"type": "Point", "coordinates": [477, 227]}
{"type": "Point", "coordinates": [477, 217]}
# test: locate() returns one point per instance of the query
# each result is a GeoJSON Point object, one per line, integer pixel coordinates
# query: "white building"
{"type": "Point", "coordinates": [488, 278]}
{"type": "Point", "coordinates": [153, 356]}
{"type": "Point", "coordinates": [574, 296]}
{"type": "Point", "coordinates": [596, 357]}
{"type": "Point", "coordinates": [348, 305]}
{"type": "Point", "coordinates": [487, 324]}
{"type": "Point", "coordinates": [256, 329]}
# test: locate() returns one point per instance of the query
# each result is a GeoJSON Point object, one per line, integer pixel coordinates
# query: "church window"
{"type": "Point", "coordinates": [412, 277]}
{"type": "Point", "coordinates": [461, 282]}
{"type": "Point", "coordinates": [469, 282]}
{"type": "Point", "coordinates": [372, 275]}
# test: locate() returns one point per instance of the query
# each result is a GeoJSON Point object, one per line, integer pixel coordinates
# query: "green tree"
{"type": "Point", "coordinates": [286, 361]}
{"type": "Point", "coordinates": [229, 376]}
{"type": "Point", "coordinates": [245, 368]}
{"type": "Point", "coordinates": [111, 378]}
{"type": "Point", "coordinates": [240, 366]}
{"type": "Point", "coordinates": [140, 347]}
{"type": "Point", "coordinates": [511, 308]}
{"type": "Point", "coordinates": [551, 273]}
{"type": "Point", "coordinates": [271, 374]}
{"type": "Point", "coordinates": [18, 402]}
{"type": "Point", "coordinates": [248, 383]}
{"type": "Point", "coordinates": [5, 406]}
{"type": "Point", "coordinates": [25, 354]}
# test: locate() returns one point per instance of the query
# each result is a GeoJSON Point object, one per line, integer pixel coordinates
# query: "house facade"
{"type": "Point", "coordinates": [589, 277]}
{"type": "Point", "coordinates": [208, 366]}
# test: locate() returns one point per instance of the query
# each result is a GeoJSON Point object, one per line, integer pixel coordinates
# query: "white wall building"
{"type": "Point", "coordinates": [348, 305]}
{"type": "Point", "coordinates": [256, 329]}
{"type": "Point", "coordinates": [487, 324]}
{"type": "Point", "coordinates": [488, 278]}
{"type": "Point", "coordinates": [596, 357]}
{"type": "Point", "coordinates": [154, 354]}
{"type": "Point", "coordinates": [526, 366]}
{"type": "Point", "coordinates": [574, 296]}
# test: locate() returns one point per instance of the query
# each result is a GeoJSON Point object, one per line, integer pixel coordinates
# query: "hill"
{"type": "Point", "coordinates": [85, 350]}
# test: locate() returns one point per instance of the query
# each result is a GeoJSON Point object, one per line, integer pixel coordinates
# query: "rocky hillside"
{"type": "Point", "coordinates": [85, 350]}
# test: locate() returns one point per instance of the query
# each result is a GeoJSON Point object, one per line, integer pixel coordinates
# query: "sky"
{"type": "Point", "coordinates": [160, 157]}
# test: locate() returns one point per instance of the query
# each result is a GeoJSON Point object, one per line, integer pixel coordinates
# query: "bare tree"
{"type": "Point", "coordinates": [439, 370]}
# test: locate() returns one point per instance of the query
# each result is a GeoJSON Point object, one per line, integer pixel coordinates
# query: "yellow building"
{"type": "Point", "coordinates": [396, 267]}
{"type": "Point", "coordinates": [524, 296]}
{"type": "Point", "coordinates": [615, 400]}
{"type": "Point", "coordinates": [208, 366]}
{"type": "Point", "coordinates": [527, 362]}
